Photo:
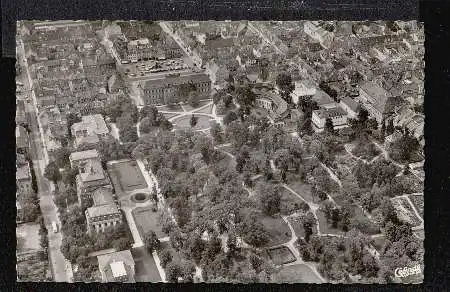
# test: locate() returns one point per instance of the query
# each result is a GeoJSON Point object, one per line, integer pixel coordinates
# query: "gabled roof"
{"type": "Point", "coordinates": [351, 103]}
{"type": "Point", "coordinates": [379, 97]}
{"type": "Point", "coordinates": [102, 210]}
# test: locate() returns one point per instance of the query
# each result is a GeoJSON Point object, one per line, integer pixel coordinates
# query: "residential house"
{"type": "Point", "coordinates": [23, 179]}
{"type": "Point", "coordinates": [90, 130]}
{"type": "Point", "coordinates": [21, 118]}
{"type": "Point", "coordinates": [350, 106]}
{"type": "Point", "coordinates": [117, 266]}
{"type": "Point", "coordinates": [78, 157]}
{"type": "Point", "coordinates": [22, 140]}
{"type": "Point", "coordinates": [338, 116]}
{"type": "Point", "coordinates": [91, 176]}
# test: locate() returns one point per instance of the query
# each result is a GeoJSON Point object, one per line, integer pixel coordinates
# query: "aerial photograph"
{"type": "Point", "coordinates": [220, 151]}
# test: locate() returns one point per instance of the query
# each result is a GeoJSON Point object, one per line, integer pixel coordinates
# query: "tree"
{"type": "Point", "coordinates": [52, 172]}
{"type": "Point", "coordinates": [145, 125]}
{"type": "Point", "coordinates": [252, 231]}
{"type": "Point", "coordinates": [285, 85]}
{"type": "Point", "coordinates": [173, 272]}
{"type": "Point", "coordinates": [62, 157]}
{"type": "Point", "coordinates": [245, 97]}
{"type": "Point", "coordinates": [270, 199]}
{"type": "Point", "coordinates": [309, 221]}
{"type": "Point", "coordinates": [69, 177]}
{"type": "Point", "coordinates": [193, 121]}
{"type": "Point", "coordinates": [151, 241]}
{"type": "Point", "coordinates": [329, 128]}
{"type": "Point", "coordinates": [165, 257]}
{"type": "Point", "coordinates": [195, 247]}
{"type": "Point", "coordinates": [230, 117]}
{"type": "Point", "coordinates": [216, 133]}
{"type": "Point", "coordinates": [71, 118]}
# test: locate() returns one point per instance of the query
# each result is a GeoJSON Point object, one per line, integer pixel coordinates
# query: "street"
{"type": "Point", "coordinates": [48, 208]}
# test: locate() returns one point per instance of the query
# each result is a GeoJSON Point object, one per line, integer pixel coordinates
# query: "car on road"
{"type": "Point", "coordinates": [55, 227]}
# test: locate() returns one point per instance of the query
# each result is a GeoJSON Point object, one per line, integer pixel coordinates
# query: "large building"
{"type": "Point", "coordinates": [100, 217]}
{"type": "Point", "coordinates": [90, 130]}
{"type": "Point", "coordinates": [350, 106]}
{"type": "Point", "coordinates": [167, 87]}
{"type": "Point", "coordinates": [376, 100]}
{"type": "Point", "coordinates": [338, 116]}
{"type": "Point", "coordinates": [117, 266]}
{"type": "Point", "coordinates": [78, 157]}
{"type": "Point", "coordinates": [91, 177]}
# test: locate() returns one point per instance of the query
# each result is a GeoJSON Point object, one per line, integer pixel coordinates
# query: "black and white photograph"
{"type": "Point", "coordinates": [220, 151]}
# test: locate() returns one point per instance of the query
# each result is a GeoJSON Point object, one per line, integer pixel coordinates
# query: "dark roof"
{"type": "Point", "coordinates": [330, 112]}
{"type": "Point", "coordinates": [351, 103]}
{"type": "Point", "coordinates": [183, 79]}
{"type": "Point", "coordinates": [380, 98]}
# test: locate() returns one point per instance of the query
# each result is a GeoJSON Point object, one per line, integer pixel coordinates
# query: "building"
{"type": "Point", "coordinates": [318, 33]}
{"type": "Point", "coordinates": [140, 49]}
{"type": "Point", "coordinates": [91, 176]}
{"type": "Point", "coordinates": [350, 106]}
{"type": "Point", "coordinates": [78, 157]}
{"type": "Point", "coordinates": [376, 100]}
{"type": "Point", "coordinates": [337, 115]}
{"type": "Point", "coordinates": [303, 89]}
{"type": "Point", "coordinates": [117, 266]}
{"type": "Point", "coordinates": [22, 140]}
{"type": "Point", "coordinates": [98, 218]}
{"type": "Point", "coordinates": [164, 89]}
{"type": "Point", "coordinates": [23, 179]}
{"type": "Point", "coordinates": [21, 118]}
{"type": "Point", "coordinates": [90, 130]}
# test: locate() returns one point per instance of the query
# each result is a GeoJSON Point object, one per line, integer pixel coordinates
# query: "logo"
{"type": "Point", "coordinates": [407, 271]}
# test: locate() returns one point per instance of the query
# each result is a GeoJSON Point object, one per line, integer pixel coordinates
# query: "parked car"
{"type": "Point", "coordinates": [54, 227]}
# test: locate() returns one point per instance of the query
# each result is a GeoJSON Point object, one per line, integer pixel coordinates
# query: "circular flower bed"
{"type": "Point", "coordinates": [140, 197]}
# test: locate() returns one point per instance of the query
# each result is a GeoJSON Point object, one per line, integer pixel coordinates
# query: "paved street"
{"type": "Point", "coordinates": [48, 208]}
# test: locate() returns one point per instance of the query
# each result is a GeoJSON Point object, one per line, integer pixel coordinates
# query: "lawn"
{"type": "Point", "coordinates": [325, 227]}
{"type": "Point", "coordinates": [28, 238]}
{"type": "Point", "coordinates": [297, 274]}
{"type": "Point", "coordinates": [168, 116]}
{"type": "Point", "coordinates": [206, 110]}
{"type": "Point", "coordinates": [203, 122]}
{"type": "Point", "coordinates": [297, 224]}
{"type": "Point", "coordinates": [189, 108]}
{"type": "Point", "coordinates": [378, 242]}
{"type": "Point", "coordinates": [363, 223]}
{"type": "Point", "coordinates": [145, 266]}
{"type": "Point", "coordinates": [281, 255]}
{"type": "Point", "coordinates": [300, 187]}
{"type": "Point", "coordinates": [405, 211]}
{"type": "Point", "coordinates": [128, 176]}
{"type": "Point", "coordinates": [277, 229]}
{"type": "Point", "coordinates": [289, 203]}
{"type": "Point", "coordinates": [176, 257]}
{"type": "Point", "coordinates": [170, 108]}
{"type": "Point", "coordinates": [147, 220]}
{"type": "Point", "coordinates": [417, 201]}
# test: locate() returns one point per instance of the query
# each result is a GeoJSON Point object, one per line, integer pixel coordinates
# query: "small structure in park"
{"type": "Point", "coordinates": [117, 266]}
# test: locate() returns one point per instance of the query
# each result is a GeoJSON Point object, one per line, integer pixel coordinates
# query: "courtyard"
{"type": "Point", "coordinates": [126, 176]}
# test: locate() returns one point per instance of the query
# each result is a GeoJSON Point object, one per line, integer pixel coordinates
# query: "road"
{"type": "Point", "coordinates": [61, 270]}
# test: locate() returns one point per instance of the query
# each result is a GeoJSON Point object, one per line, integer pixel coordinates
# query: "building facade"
{"type": "Point", "coordinates": [338, 117]}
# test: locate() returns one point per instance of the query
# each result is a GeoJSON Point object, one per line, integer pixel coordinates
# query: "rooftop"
{"type": "Point", "coordinates": [91, 170]}
{"type": "Point", "coordinates": [118, 269]}
{"type": "Point", "coordinates": [105, 261]}
{"type": "Point", "coordinates": [330, 112]}
{"type": "Point", "coordinates": [94, 124]}
{"type": "Point", "coordinates": [351, 103]}
{"type": "Point", "coordinates": [102, 210]}
{"type": "Point", "coordinates": [177, 80]}
{"type": "Point", "coordinates": [82, 155]}
{"type": "Point", "coordinates": [23, 172]}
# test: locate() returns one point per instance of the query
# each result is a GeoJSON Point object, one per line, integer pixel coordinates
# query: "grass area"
{"type": "Point", "coordinates": [417, 201]}
{"type": "Point", "coordinates": [176, 257]}
{"type": "Point", "coordinates": [168, 116]}
{"type": "Point", "coordinates": [363, 223]}
{"type": "Point", "coordinates": [300, 187]}
{"type": "Point", "coordinates": [28, 238]}
{"type": "Point", "coordinates": [189, 108]}
{"type": "Point", "coordinates": [405, 211]}
{"type": "Point", "coordinates": [290, 203]}
{"type": "Point", "coordinates": [206, 110]}
{"type": "Point", "coordinates": [170, 108]}
{"type": "Point", "coordinates": [379, 242]}
{"type": "Point", "coordinates": [297, 274]}
{"type": "Point", "coordinates": [281, 255]}
{"type": "Point", "coordinates": [147, 220]}
{"type": "Point", "coordinates": [326, 227]}
{"type": "Point", "coordinates": [128, 176]}
{"type": "Point", "coordinates": [32, 270]}
{"type": "Point", "coordinates": [145, 266]}
{"type": "Point", "coordinates": [184, 122]}
{"type": "Point", "coordinates": [277, 229]}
